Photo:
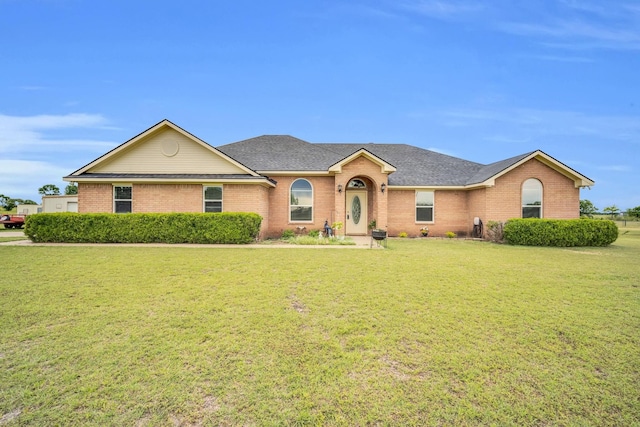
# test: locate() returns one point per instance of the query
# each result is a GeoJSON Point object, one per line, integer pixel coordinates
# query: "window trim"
{"type": "Point", "coordinates": [540, 206]}
{"type": "Point", "coordinates": [290, 205]}
{"type": "Point", "coordinates": [205, 200]}
{"type": "Point", "coordinates": [115, 200]}
{"type": "Point", "coordinates": [432, 207]}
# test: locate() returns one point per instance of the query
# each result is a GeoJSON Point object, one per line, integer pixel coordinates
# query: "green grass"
{"type": "Point", "coordinates": [429, 332]}
{"type": "Point", "coordinates": [315, 241]}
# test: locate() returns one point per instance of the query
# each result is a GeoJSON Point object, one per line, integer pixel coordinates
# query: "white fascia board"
{"type": "Point", "coordinates": [263, 182]}
{"type": "Point", "coordinates": [294, 173]}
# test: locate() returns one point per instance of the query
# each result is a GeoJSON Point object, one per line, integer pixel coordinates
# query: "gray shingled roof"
{"type": "Point", "coordinates": [280, 153]}
{"type": "Point", "coordinates": [415, 166]}
{"type": "Point", "coordinates": [492, 169]}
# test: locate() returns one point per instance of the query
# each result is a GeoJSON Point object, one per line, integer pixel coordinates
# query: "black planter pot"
{"type": "Point", "coordinates": [379, 234]}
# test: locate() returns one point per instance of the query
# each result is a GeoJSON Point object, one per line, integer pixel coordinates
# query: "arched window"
{"type": "Point", "coordinates": [356, 183]}
{"type": "Point", "coordinates": [532, 199]}
{"type": "Point", "coordinates": [301, 201]}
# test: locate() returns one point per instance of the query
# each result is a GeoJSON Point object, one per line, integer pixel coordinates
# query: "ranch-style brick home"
{"type": "Point", "coordinates": [298, 185]}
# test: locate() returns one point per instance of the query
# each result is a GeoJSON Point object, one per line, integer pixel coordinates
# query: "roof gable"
{"type": "Point", "coordinates": [384, 166]}
{"type": "Point", "coordinates": [488, 174]}
{"type": "Point", "coordinates": [165, 149]}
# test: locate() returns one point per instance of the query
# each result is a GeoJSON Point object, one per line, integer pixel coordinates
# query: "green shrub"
{"type": "Point", "coordinates": [560, 232]}
{"type": "Point", "coordinates": [314, 233]}
{"type": "Point", "coordinates": [288, 234]}
{"type": "Point", "coordinates": [450, 234]}
{"type": "Point", "coordinates": [403, 234]}
{"type": "Point", "coordinates": [225, 227]}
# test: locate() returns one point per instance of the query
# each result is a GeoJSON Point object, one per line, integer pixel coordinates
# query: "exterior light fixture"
{"type": "Point", "coordinates": [383, 187]}
{"type": "Point", "coordinates": [339, 188]}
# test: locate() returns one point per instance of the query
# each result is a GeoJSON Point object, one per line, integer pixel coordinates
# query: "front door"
{"type": "Point", "coordinates": [356, 212]}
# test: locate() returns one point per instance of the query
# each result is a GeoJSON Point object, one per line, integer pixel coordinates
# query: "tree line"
{"type": "Point", "coordinates": [8, 203]}
{"type": "Point", "coordinates": [588, 209]}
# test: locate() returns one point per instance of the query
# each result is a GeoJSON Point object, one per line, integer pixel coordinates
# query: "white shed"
{"type": "Point", "coordinates": [60, 203]}
{"type": "Point", "coordinates": [28, 209]}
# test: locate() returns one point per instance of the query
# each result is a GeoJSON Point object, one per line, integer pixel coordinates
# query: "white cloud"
{"type": "Point", "coordinates": [25, 134]}
{"type": "Point", "coordinates": [443, 9]}
{"type": "Point", "coordinates": [560, 58]}
{"type": "Point", "coordinates": [578, 34]}
{"type": "Point", "coordinates": [565, 24]}
{"type": "Point", "coordinates": [619, 128]}
{"type": "Point", "coordinates": [22, 178]}
{"type": "Point", "coordinates": [615, 168]}
{"type": "Point", "coordinates": [45, 121]}
{"type": "Point", "coordinates": [41, 149]}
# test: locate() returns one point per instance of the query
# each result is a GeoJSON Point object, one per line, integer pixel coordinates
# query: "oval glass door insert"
{"type": "Point", "coordinates": [356, 209]}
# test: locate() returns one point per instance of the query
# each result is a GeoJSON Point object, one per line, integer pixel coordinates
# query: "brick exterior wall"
{"type": "Point", "coordinates": [148, 198]}
{"type": "Point", "coordinates": [248, 198]}
{"type": "Point", "coordinates": [157, 198]}
{"type": "Point", "coordinates": [394, 210]}
{"type": "Point", "coordinates": [561, 199]}
{"type": "Point", "coordinates": [323, 204]}
{"type": "Point", "coordinates": [454, 210]}
{"type": "Point", "coordinates": [95, 198]}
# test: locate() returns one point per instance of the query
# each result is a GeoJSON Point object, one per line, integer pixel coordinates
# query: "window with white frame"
{"type": "Point", "coordinates": [532, 199]}
{"type": "Point", "coordinates": [213, 198]}
{"type": "Point", "coordinates": [424, 206]}
{"type": "Point", "coordinates": [301, 201]}
{"type": "Point", "coordinates": [122, 198]}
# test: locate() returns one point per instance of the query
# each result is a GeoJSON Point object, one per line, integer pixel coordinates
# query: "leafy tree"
{"type": "Point", "coordinates": [7, 203]}
{"type": "Point", "coordinates": [49, 190]}
{"type": "Point", "coordinates": [612, 210]}
{"type": "Point", "coordinates": [634, 212]}
{"type": "Point", "coordinates": [587, 208]}
{"type": "Point", "coordinates": [71, 189]}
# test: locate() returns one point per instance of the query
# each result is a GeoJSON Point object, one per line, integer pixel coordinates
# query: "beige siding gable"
{"type": "Point", "coordinates": [167, 151]}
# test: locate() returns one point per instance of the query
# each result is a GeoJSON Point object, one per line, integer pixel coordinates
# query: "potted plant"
{"type": "Point", "coordinates": [336, 226]}
{"type": "Point", "coordinates": [372, 224]}
{"type": "Point", "coordinates": [424, 231]}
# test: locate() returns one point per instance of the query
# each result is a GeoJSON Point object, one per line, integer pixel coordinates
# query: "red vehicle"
{"type": "Point", "coordinates": [12, 221]}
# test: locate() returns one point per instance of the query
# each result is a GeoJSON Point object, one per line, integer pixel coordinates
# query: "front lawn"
{"type": "Point", "coordinates": [429, 332]}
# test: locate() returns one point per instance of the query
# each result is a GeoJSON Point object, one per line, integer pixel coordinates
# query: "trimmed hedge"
{"type": "Point", "coordinates": [560, 232]}
{"type": "Point", "coordinates": [225, 227]}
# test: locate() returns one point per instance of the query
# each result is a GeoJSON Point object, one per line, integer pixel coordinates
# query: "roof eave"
{"type": "Point", "coordinates": [294, 173]}
{"type": "Point", "coordinates": [145, 180]}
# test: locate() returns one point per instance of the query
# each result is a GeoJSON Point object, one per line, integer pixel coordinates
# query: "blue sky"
{"type": "Point", "coordinates": [480, 80]}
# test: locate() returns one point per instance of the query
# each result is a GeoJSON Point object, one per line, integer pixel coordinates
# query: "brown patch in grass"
{"type": "Point", "coordinates": [298, 305]}
{"type": "Point", "coordinates": [10, 416]}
